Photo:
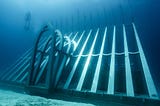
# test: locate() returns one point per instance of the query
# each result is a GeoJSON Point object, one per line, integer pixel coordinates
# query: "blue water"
{"type": "Point", "coordinates": [74, 15]}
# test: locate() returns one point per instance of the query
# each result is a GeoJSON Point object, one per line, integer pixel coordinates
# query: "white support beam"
{"type": "Point", "coordinates": [13, 70]}
{"type": "Point", "coordinates": [149, 81]}
{"type": "Point", "coordinates": [79, 39]}
{"type": "Point", "coordinates": [98, 67]}
{"type": "Point", "coordinates": [75, 36]}
{"type": "Point", "coordinates": [23, 78]}
{"type": "Point", "coordinates": [70, 35]}
{"type": "Point", "coordinates": [21, 60]}
{"type": "Point", "coordinates": [129, 82]}
{"type": "Point", "coordinates": [18, 69]}
{"type": "Point", "coordinates": [21, 72]}
{"type": "Point", "coordinates": [25, 62]}
{"type": "Point", "coordinates": [76, 63]}
{"type": "Point", "coordinates": [41, 71]}
{"type": "Point", "coordinates": [81, 80]}
{"type": "Point", "coordinates": [112, 65]}
{"type": "Point", "coordinates": [75, 47]}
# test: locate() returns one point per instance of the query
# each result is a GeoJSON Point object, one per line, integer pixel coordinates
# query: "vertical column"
{"type": "Point", "coordinates": [98, 67]}
{"type": "Point", "coordinates": [149, 81]}
{"type": "Point", "coordinates": [112, 66]}
{"type": "Point", "coordinates": [81, 80]}
{"type": "Point", "coordinates": [76, 63]}
{"type": "Point", "coordinates": [129, 82]}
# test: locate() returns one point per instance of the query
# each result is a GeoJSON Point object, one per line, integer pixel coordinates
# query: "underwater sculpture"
{"type": "Point", "coordinates": [72, 65]}
{"type": "Point", "coordinates": [49, 59]}
{"type": "Point", "coordinates": [27, 21]}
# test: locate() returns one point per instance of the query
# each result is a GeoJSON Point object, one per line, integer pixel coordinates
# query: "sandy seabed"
{"type": "Point", "coordinates": [10, 98]}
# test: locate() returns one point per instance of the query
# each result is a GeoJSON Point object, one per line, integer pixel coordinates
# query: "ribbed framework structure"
{"type": "Point", "coordinates": [106, 60]}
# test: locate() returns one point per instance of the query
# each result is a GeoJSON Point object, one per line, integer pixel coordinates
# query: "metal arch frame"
{"type": "Point", "coordinates": [44, 29]}
{"type": "Point", "coordinates": [52, 39]}
{"type": "Point", "coordinates": [43, 52]}
{"type": "Point", "coordinates": [53, 62]}
{"type": "Point", "coordinates": [64, 60]}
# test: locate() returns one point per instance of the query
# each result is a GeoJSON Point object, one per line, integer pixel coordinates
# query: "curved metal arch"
{"type": "Point", "coordinates": [43, 53]}
{"type": "Point", "coordinates": [55, 44]}
{"type": "Point", "coordinates": [59, 34]}
{"type": "Point", "coordinates": [51, 40]}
